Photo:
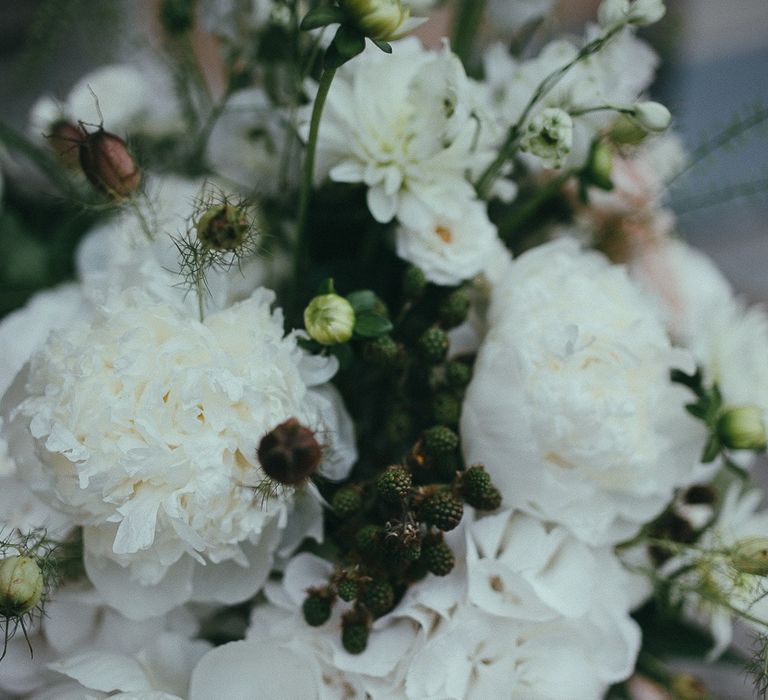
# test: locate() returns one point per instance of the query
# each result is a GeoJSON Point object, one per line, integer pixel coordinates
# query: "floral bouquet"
{"type": "Point", "coordinates": [382, 373]}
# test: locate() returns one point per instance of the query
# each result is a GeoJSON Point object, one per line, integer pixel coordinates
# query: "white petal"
{"type": "Point", "coordinates": [99, 670]}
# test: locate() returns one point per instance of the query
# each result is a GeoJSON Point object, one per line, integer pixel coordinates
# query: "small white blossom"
{"type": "Point", "coordinates": [549, 135]}
{"type": "Point", "coordinates": [652, 115]}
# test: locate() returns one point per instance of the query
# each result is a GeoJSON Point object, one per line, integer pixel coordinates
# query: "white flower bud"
{"type": "Point", "coordinates": [612, 12]}
{"type": "Point", "coordinates": [644, 12]}
{"type": "Point", "coordinates": [380, 20]}
{"type": "Point", "coordinates": [742, 428]}
{"type": "Point", "coordinates": [652, 115]}
{"type": "Point", "coordinates": [549, 135]}
{"type": "Point", "coordinates": [21, 585]}
{"type": "Point", "coordinates": [329, 319]}
{"type": "Point", "coordinates": [750, 556]}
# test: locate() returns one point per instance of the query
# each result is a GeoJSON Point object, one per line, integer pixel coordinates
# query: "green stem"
{"type": "Point", "coordinates": [485, 183]}
{"type": "Point", "coordinates": [465, 27]}
{"type": "Point", "coordinates": [309, 170]}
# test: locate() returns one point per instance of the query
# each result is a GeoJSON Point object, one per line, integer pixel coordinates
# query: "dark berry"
{"type": "Point", "coordinates": [381, 351]}
{"type": "Point", "coordinates": [346, 502]}
{"type": "Point", "coordinates": [316, 609]}
{"type": "Point", "coordinates": [378, 597]}
{"type": "Point", "coordinates": [458, 375]}
{"type": "Point", "coordinates": [443, 510]}
{"type": "Point", "coordinates": [414, 283]}
{"type": "Point", "coordinates": [440, 440]}
{"type": "Point", "coordinates": [454, 309]}
{"type": "Point", "coordinates": [354, 637]}
{"type": "Point", "coordinates": [446, 409]}
{"type": "Point", "coordinates": [439, 559]}
{"type": "Point", "coordinates": [394, 484]}
{"type": "Point", "coordinates": [432, 346]}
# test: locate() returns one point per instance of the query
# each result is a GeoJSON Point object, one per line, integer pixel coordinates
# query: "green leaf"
{"type": "Point", "coordinates": [343, 353]}
{"type": "Point", "coordinates": [322, 17]}
{"type": "Point", "coordinates": [347, 44]}
{"type": "Point", "coordinates": [698, 410]}
{"type": "Point", "coordinates": [369, 324]}
{"type": "Point", "coordinates": [362, 300]}
{"type": "Point", "coordinates": [385, 46]}
{"type": "Point", "coordinates": [711, 449]}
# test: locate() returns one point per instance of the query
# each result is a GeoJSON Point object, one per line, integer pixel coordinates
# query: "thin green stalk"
{"type": "Point", "coordinates": [465, 26]}
{"type": "Point", "coordinates": [309, 169]}
{"type": "Point", "coordinates": [510, 147]}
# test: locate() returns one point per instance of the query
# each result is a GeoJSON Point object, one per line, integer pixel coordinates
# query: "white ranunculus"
{"type": "Point", "coordinates": [450, 251]}
{"type": "Point", "coordinates": [145, 426]}
{"type": "Point", "coordinates": [411, 127]}
{"type": "Point", "coordinates": [571, 408]}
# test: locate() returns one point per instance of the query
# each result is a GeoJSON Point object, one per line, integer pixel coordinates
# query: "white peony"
{"type": "Point", "coordinates": [509, 16]}
{"type": "Point", "coordinates": [145, 427]}
{"type": "Point", "coordinates": [411, 127]}
{"type": "Point", "coordinates": [571, 408]}
{"type": "Point", "coordinates": [451, 251]}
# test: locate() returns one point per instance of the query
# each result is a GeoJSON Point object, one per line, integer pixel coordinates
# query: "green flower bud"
{"type": "Point", "coordinates": [750, 556]}
{"type": "Point", "coordinates": [222, 227]}
{"type": "Point", "coordinates": [380, 20]}
{"type": "Point", "coordinates": [329, 319]}
{"type": "Point", "coordinates": [742, 428]}
{"type": "Point", "coordinates": [21, 585]}
{"type": "Point", "coordinates": [600, 166]}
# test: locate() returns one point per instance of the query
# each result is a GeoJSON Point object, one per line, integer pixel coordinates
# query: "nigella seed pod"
{"type": "Point", "coordinates": [21, 585]}
{"type": "Point", "coordinates": [109, 165]}
{"type": "Point", "coordinates": [222, 227]}
{"type": "Point", "coordinates": [65, 140]}
{"type": "Point", "coordinates": [290, 453]}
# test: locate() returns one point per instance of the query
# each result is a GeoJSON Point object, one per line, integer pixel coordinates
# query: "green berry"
{"type": "Point", "coordinates": [398, 426]}
{"type": "Point", "coordinates": [379, 598]}
{"type": "Point", "coordinates": [347, 590]}
{"type": "Point", "coordinates": [354, 636]}
{"type": "Point", "coordinates": [443, 510]}
{"type": "Point", "coordinates": [346, 502]}
{"type": "Point", "coordinates": [368, 539]}
{"type": "Point", "coordinates": [381, 351]}
{"type": "Point", "coordinates": [316, 609]}
{"type": "Point", "coordinates": [458, 375]}
{"type": "Point", "coordinates": [446, 409]}
{"type": "Point", "coordinates": [394, 484]}
{"type": "Point", "coordinates": [454, 309]}
{"type": "Point", "coordinates": [432, 346]}
{"type": "Point", "coordinates": [414, 283]}
{"type": "Point", "coordinates": [439, 559]}
{"type": "Point", "coordinates": [440, 441]}
{"type": "Point", "coordinates": [475, 485]}
{"type": "Point", "coordinates": [490, 501]}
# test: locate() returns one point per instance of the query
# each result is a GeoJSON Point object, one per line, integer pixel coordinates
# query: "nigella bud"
{"type": "Point", "coordinates": [289, 453]}
{"type": "Point", "coordinates": [21, 585]}
{"type": "Point", "coordinates": [65, 140]}
{"type": "Point", "coordinates": [223, 227]}
{"type": "Point", "coordinates": [652, 116]}
{"type": "Point", "coordinates": [109, 165]}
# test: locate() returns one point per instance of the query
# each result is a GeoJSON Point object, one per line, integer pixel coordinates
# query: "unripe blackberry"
{"type": "Point", "coordinates": [454, 309]}
{"type": "Point", "coordinates": [414, 283]}
{"type": "Point", "coordinates": [317, 608]}
{"type": "Point", "coordinates": [289, 453]}
{"type": "Point", "coordinates": [378, 597]}
{"type": "Point", "coordinates": [476, 485]}
{"type": "Point", "coordinates": [368, 539]}
{"type": "Point", "coordinates": [346, 502]}
{"type": "Point", "coordinates": [394, 484]}
{"type": "Point", "coordinates": [354, 635]}
{"type": "Point", "coordinates": [458, 375]}
{"type": "Point", "coordinates": [443, 510]}
{"type": "Point", "coordinates": [439, 559]}
{"type": "Point", "coordinates": [446, 409]}
{"type": "Point", "coordinates": [491, 500]}
{"type": "Point", "coordinates": [398, 426]}
{"type": "Point", "coordinates": [381, 351]}
{"type": "Point", "coordinates": [348, 590]}
{"type": "Point", "coordinates": [440, 440]}
{"type": "Point", "coordinates": [432, 346]}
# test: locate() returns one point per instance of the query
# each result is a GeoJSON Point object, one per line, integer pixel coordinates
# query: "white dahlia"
{"type": "Point", "coordinates": [571, 408]}
{"type": "Point", "coordinates": [146, 426]}
{"type": "Point", "coordinates": [411, 128]}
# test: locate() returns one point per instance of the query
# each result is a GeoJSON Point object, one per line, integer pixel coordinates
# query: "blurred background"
{"type": "Point", "coordinates": [715, 67]}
